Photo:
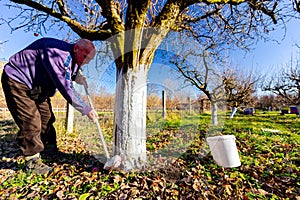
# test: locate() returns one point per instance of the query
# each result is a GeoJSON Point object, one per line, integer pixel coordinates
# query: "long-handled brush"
{"type": "Point", "coordinates": [112, 162]}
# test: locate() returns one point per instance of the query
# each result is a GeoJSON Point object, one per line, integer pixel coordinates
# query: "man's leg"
{"type": "Point", "coordinates": [28, 119]}
{"type": "Point", "coordinates": [26, 115]}
{"type": "Point", "coordinates": [48, 133]}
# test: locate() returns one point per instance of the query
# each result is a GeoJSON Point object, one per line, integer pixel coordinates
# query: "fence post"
{"type": "Point", "coordinates": [69, 118]}
{"type": "Point", "coordinates": [164, 107]}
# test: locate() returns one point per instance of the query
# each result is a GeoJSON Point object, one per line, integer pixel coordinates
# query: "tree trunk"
{"type": "Point", "coordinates": [214, 114]}
{"type": "Point", "coordinates": [130, 117]}
{"type": "Point", "coordinates": [233, 111]}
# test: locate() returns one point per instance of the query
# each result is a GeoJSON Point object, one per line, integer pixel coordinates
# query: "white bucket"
{"type": "Point", "coordinates": [224, 150]}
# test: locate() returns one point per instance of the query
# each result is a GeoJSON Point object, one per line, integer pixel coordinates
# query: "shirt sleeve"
{"type": "Point", "coordinates": [58, 65]}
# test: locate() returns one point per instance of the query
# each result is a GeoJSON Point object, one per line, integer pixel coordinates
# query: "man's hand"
{"type": "Point", "coordinates": [93, 115]}
{"type": "Point", "coordinates": [80, 79]}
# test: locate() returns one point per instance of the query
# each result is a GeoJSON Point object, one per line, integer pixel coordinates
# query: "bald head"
{"type": "Point", "coordinates": [85, 43]}
{"type": "Point", "coordinates": [84, 51]}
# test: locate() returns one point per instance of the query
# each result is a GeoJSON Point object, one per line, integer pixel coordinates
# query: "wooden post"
{"type": "Point", "coordinates": [164, 107]}
{"type": "Point", "coordinates": [70, 118]}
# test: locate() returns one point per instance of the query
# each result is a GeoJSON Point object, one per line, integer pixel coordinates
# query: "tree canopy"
{"type": "Point", "coordinates": [99, 20]}
{"type": "Point", "coordinates": [214, 23]}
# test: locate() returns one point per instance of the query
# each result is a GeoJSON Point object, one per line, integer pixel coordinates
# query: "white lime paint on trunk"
{"type": "Point", "coordinates": [214, 114]}
{"type": "Point", "coordinates": [233, 111]}
{"type": "Point", "coordinates": [130, 118]}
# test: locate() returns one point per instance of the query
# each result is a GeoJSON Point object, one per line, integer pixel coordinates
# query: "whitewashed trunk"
{"type": "Point", "coordinates": [233, 111]}
{"type": "Point", "coordinates": [214, 115]}
{"type": "Point", "coordinates": [130, 118]}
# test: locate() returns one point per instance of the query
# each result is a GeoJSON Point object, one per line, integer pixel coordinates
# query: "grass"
{"type": "Point", "coordinates": [269, 170]}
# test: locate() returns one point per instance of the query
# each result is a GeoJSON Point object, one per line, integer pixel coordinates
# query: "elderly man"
{"type": "Point", "coordinates": [30, 78]}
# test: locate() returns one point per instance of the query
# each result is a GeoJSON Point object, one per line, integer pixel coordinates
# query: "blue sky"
{"type": "Point", "coordinates": [268, 56]}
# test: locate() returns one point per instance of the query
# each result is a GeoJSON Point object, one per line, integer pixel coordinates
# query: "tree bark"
{"type": "Point", "coordinates": [130, 117]}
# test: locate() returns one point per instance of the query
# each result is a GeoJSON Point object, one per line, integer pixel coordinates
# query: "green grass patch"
{"type": "Point", "coordinates": [268, 145]}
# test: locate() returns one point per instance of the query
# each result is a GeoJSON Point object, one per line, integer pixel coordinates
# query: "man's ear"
{"type": "Point", "coordinates": [76, 47]}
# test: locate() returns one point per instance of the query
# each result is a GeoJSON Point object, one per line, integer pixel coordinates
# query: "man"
{"type": "Point", "coordinates": [30, 78]}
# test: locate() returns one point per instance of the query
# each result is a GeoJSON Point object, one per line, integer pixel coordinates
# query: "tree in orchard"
{"type": "Point", "coordinates": [240, 86]}
{"type": "Point", "coordinates": [135, 29]}
{"type": "Point", "coordinates": [285, 83]}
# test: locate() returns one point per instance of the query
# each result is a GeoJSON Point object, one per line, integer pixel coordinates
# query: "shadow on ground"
{"type": "Point", "coordinates": [12, 159]}
{"type": "Point", "coordinates": [10, 152]}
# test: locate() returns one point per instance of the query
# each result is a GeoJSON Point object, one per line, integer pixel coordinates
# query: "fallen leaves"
{"type": "Point", "coordinates": [268, 170]}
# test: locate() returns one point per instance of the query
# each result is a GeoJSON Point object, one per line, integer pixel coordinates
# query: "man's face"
{"type": "Point", "coordinates": [83, 55]}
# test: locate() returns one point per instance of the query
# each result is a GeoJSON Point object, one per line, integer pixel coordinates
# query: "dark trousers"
{"type": "Point", "coordinates": [34, 118]}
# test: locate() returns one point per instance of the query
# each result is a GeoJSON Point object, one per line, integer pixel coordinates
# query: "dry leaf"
{"type": "Point", "coordinates": [228, 189]}
{"type": "Point", "coordinates": [60, 194]}
{"type": "Point", "coordinates": [263, 192]}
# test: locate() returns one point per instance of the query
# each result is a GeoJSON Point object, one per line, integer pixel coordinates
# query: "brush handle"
{"type": "Point", "coordinates": [97, 123]}
{"type": "Point", "coordinates": [102, 139]}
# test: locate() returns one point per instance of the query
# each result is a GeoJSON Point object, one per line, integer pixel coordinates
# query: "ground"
{"type": "Point", "coordinates": [269, 170]}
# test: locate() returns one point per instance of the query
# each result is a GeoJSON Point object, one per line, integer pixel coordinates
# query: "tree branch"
{"type": "Point", "coordinates": [62, 8]}
{"type": "Point", "coordinates": [110, 10]}
{"type": "Point", "coordinates": [136, 13]}
{"type": "Point", "coordinates": [73, 24]}
{"type": "Point", "coordinates": [255, 5]}
{"type": "Point", "coordinates": [296, 4]}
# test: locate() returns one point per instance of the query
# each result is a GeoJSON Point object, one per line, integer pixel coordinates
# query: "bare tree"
{"type": "Point", "coordinates": [240, 86]}
{"type": "Point", "coordinates": [153, 101]}
{"type": "Point", "coordinates": [286, 84]}
{"type": "Point", "coordinates": [220, 82]}
{"type": "Point", "coordinates": [269, 102]}
{"type": "Point", "coordinates": [135, 29]}
{"type": "Point", "coordinates": [202, 74]}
